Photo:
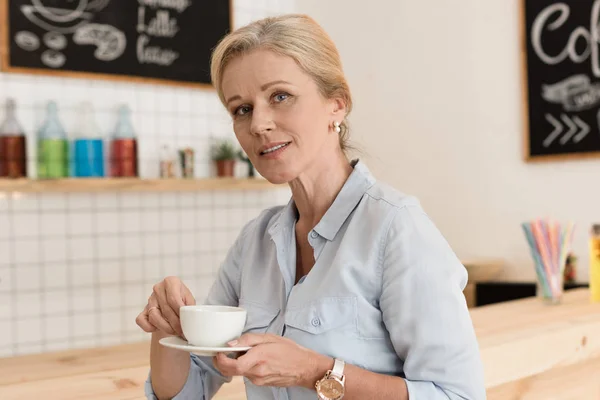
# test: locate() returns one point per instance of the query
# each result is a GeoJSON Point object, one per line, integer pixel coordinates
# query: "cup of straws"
{"type": "Point", "coordinates": [549, 243]}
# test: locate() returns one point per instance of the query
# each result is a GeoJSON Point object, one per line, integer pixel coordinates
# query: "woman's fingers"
{"type": "Point", "coordinates": [156, 316]}
{"type": "Point", "coordinates": [143, 322]}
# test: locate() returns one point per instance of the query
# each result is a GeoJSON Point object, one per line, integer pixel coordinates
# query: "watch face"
{"type": "Point", "coordinates": [331, 389]}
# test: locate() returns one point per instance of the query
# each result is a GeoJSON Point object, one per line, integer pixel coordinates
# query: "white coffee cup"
{"type": "Point", "coordinates": [211, 325]}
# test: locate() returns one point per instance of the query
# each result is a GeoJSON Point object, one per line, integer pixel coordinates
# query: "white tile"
{"type": "Point", "coordinates": [106, 222]}
{"type": "Point", "coordinates": [53, 224]}
{"type": "Point", "coordinates": [109, 272]}
{"type": "Point", "coordinates": [205, 241]}
{"type": "Point", "coordinates": [58, 346]}
{"type": "Point", "coordinates": [153, 270]}
{"type": "Point", "coordinates": [26, 349]}
{"type": "Point", "coordinates": [188, 266]}
{"type": "Point", "coordinates": [168, 201]}
{"type": "Point", "coordinates": [187, 219]}
{"type": "Point", "coordinates": [132, 246]}
{"type": "Point", "coordinates": [29, 331]}
{"type": "Point", "coordinates": [81, 248]}
{"type": "Point", "coordinates": [53, 250]}
{"type": "Point", "coordinates": [135, 297]}
{"type": "Point", "coordinates": [107, 201]}
{"type": "Point", "coordinates": [151, 244]}
{"type": "Point", "coordinates": [134, 270]}
{"type": "Point", "coordinates": [111, 340]}
{"type": "Point", "coordinates": [6, 337]}
{"type": "Point", "coordinates": [151, 221]}
{"type": "Point", "coordinates": [170, 265]}
{"type": "Point", "coordinates": [6, 224]}
{"type": "Point", "coordinates": [57, 328]}
{"type": "Point", "coordinates": [28, 305]}
{"type": "Point", "coordinates": [56, 302]}
{"type": "Point", "coordinates": [84, 325]}
{"type": "Point", "coordinates": [6, 307]}
{"type": "Point", "coordinates": [80, 223]}
{"type": "Point", "coordinates": [28, 278]}
{"type": "Point", "coordinates": [130, 221]}
{"type": "Point", "coordinates": [188, 243]}
{"type": "Point", "coordinates": [150, 200]}
{"type": "Point", "coordinates": [107, 247]}
{"type": "Point", "coordinates": [85, 343]}
{"type": "Point", "coordinates": [55, 275]}
{"type": "Point", "coordinates": [53, 201]}
{"type": "Point", "coordinates": [25, 202]}
{"type": "Point", "coordinates": [169, 244]}
{"type": "Point", "coordinates": [5, 202]}
{"type": "Point", "coordinates": [79, 201]}
{"type": "Point", "coordinates": [26, 251]}
{"type": "Point", "coordinates": [131, 200]}
{"type": "Point", "coordinates": [222, 241]}
{"type": "Point", "coordinates": [6, 253]}
{"type": "Point", "coordinates": [82, 274]}
{"type": "Point", "coordinates": [169, 220]}
{"type": "Point", "coordinates": [221, 218]}
{"type": "Point", "coordinates": [84, 300]}
{"type": "Point", "coordinates": [110, 298]}
{"type": "Point", "coordinates": [136, 336]}
{"type": "Point", "coordinates": [7, 276]}
{"type": "Point", "coordinates": [110, 322]}
{"type": "Point", "coordinates": [146, 99]}
{"type": "Point", "coordinates": [205, 219]}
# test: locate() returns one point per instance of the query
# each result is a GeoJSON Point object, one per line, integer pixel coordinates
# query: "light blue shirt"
{"type": "Point", "coordinates": [385, 294]}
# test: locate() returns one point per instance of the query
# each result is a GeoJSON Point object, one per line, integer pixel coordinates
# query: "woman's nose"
{"type": "Point", "coordinates": [262, 121]}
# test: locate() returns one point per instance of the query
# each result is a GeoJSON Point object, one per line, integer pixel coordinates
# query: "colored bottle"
{"type": "Point", "coordinates": [595, 264]}
{"type": "Point", "coordinates": [13, 146]}
{"type": "Point", "coordinates": [88, 146]}
{"type": "Point", "coordinates": [123, 159]}
{"type": "Point", "coordinates": [53, 146]}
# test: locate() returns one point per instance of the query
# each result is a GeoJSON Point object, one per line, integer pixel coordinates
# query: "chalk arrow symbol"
{"type": "Point", "coordinates": [557, 130]}
{"type": "Point", "coordinates": [572, 129]}
{"type": "Point", "coordinates": [585, 129]}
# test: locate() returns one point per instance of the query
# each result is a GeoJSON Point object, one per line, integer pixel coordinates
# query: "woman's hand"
{"type": "Point", "coordinates": [274, 361]}
{"type": "Point", "coordinates": [162, 311]}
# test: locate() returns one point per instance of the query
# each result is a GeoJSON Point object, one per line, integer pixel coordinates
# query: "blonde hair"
{"type": "Point", "coordinates": [299, 37]}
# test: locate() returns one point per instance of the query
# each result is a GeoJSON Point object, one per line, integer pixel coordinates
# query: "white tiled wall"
{"type": "Point", "coordinates": [76, 269]}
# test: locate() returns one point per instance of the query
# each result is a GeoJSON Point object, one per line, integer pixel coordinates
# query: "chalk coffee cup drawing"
{"type": "Point", "coordinates": [211, 325]}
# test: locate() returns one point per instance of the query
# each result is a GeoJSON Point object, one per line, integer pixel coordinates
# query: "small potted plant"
{"type": "Point", "coordinates": [224, 155]}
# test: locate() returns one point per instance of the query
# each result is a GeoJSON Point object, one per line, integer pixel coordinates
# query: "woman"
{"type": "Point", "coordinates": [350, 289]}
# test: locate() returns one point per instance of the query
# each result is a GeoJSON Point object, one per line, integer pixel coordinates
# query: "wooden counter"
{"type": "Point", "coordinates": [530, 351]}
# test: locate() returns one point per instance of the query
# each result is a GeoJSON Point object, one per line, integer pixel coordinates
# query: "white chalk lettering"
{"type": "Point", "coordinates": [179, 5]}
{"type": "Point", "coordinates": [154, 54]}
{"type": "Point", "coordinates": [591, 36]}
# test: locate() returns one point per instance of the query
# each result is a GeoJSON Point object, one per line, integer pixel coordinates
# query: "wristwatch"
{"type": "Point", "coordinates": [332, 385]}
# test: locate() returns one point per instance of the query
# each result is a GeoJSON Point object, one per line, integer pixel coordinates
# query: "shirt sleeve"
{"type": "Point", "coordinates": [203, 379]}
{"type": "Point", "coordinates": [425, 311]}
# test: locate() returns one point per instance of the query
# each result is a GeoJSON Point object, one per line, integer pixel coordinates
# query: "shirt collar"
{"type": "Point", "coordinates": [357, 184]}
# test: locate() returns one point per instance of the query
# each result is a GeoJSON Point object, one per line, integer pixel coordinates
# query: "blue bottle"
{"type": "Point", "coordinates": [88, 147]}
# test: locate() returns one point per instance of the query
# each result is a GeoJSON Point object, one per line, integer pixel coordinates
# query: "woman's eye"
{"type": "Point", "coordinates": [242, 110]}
{"type": "Point", "coordinates": [279, 97]}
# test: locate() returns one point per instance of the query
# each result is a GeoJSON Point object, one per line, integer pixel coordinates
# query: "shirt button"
{"type": "Point", "coordinates": [315, 322]}
{"type": "Point", "coordinates": [314, 234]}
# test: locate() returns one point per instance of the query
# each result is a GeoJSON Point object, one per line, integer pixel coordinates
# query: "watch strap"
{"type": "Point", "coordinates": [338, 368]}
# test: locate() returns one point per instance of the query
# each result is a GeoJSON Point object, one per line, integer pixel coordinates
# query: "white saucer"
{"type": "Point", "coordinates": [178, 343]}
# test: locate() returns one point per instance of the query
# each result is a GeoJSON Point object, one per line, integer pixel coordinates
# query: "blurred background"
{"type": "Point", "coordinates": [116, 148]}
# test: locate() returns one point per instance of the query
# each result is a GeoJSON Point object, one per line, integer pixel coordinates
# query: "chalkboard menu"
{"type": "Point", "coordinates": [168, 41]}
{"type": "Point", "coordinates": [562, 65]}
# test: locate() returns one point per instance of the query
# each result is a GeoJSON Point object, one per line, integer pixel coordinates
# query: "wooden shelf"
{"type": "Point", "coordinates": [131, 185]}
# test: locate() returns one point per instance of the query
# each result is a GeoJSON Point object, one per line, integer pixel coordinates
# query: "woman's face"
{"type": "Point", "coordinates": [280, 118]}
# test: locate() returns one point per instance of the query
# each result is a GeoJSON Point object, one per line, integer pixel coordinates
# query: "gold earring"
{"type": "Point", "coordinates": [336, 126]}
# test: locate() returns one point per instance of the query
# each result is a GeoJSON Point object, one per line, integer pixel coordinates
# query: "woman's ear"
{"type": "Point", "coordinates": [338, 108]}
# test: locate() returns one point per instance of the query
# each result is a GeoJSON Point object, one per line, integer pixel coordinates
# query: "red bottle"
{"type": "Point", "coordinates": [13, 145]}
{"type": "Point", "coordinates": [123, 147]}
